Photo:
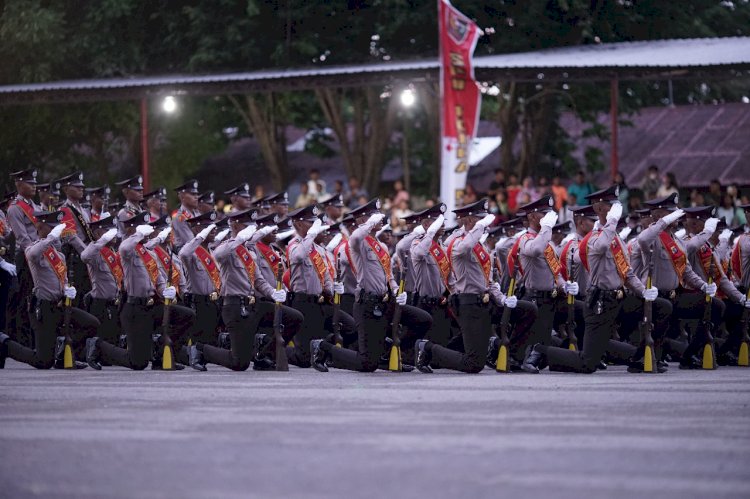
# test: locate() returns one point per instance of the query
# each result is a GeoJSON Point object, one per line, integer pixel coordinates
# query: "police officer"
{"type": "Point", "coordinates": [23, 224]}
{"type": "Point", "coordinates": [132, 191]}
{"type": "Point", "coordinates": [99, 202]}
{"type": "Point", "coordinates": [202, 284]}
{"type": "Point", "coordinates": [604, 254]}
{"type": "Point", "coordinates": [276, 203]}
{"type": "Point", "coordinates": [76, 219]}
{"type": "Point", "coordinates": [376, 290]}
{"type": "Point", "coordinates": [403, 248]}
{"type": "Point", "coordinates": [156, 203]}
{"type": "Point", "coordinates": [332, 207]}
{"type": "Point", "coordinates": [47, 201]}
{"type": "Point", "coordinates": [188, 195]}
{"type": "Point", "coordinates": [239, 197]}
{"type": "Point", "coordinates": [105, 271]}
{"type": "Point", "coordinates": [49, 272]}
{"type": "Point", "coordinates": [8, 271]}
{"type": "Point", "coordinates": [472, 266]}
{"type": "Point", "coordinates": [344, 261]}
{"type": "Point", "coordinates": [240, 283]}
{"type": "Point", "coordinates": [513, 230]}
{"type": "Point", "coordinates": [671, 268]}
{"type": "Point", "coordinates": [207, 202]}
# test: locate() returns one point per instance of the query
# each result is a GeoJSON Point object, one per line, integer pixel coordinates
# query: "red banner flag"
{"type": "Point", "coordinates": [460, 98]}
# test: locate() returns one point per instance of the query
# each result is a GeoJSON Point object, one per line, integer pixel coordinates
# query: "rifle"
{"type": "Point", "coordinates": [394, 362]}
{"type": "Point", "coordinates": [68, 360]}
{"type": "Point", "coordinates": [743, 360]}
{"type": "Point", "coordinates": [167, 359]}
{"type": "Point", "coordinates": [503, 365]}
{"type": "Point", "coordinates": [709, 355]}
{"type": "Point", "coordinates": [337, 308]}
{"type": "Point", "coordinates": [570, 324]}
{"type": "Point", "coordinates": [282, 363]}
{"type": "Point", "coordinates": [646, 325]}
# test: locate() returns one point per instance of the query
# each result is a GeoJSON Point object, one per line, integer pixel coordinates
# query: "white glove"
{"type": "Point", "coordinates": [338, 288]}
{"type": "Point", "coordinates": [673, 217]}
{"type": "Point", "coordinates": [246, 233]}
{"type": "Point", "coordinates": [495, 289]}
{"type": "Point", "coordinates": [104, 215]}
{"type": "Point", "coordinates": [625, 232]}
{"type": "Point", "coordinates": [333, 242]}
{"type": "Point", "coordinates": [170, 292]}
{"type": "Point", "coordinates": [650, 294]}
{"type": "Point", "coordinates": [436, 225]}
{"type": "Point", "coordinates": [401, 299]}
{"type": "Point", "coordinates": [510, 302]}
{"type": "Point", "coordinates": [614, 213]}
{"type": "Point", "coordinates": [548, 220]}
{"type": "Point", "coordinates": [597, 225]}
{"type": "Point", "coordinates": [317, 228]}
{"type": "Point", "coordinates": [57, 231]}
{"type": "Point", "coordinates": [164, 234]}
{"type": "Point", "coordinates": [745, 302]}
{"type": "Point", "coordinates": [263, 232]}
{"type": "Point", "coordinates": [108, 236]}
{"type": "Point", "coordinates": [205, 232]}
{"type": "Point", "coordinates": [725, 235]}
{"type": "Point", "coordinates": [385, 228]}
{"type": "Point", "coordinates": [8, 267]}
{"type": "Point", "coordinates": [279, 295]}
{"type": "Point", "coordinates": [70, 292]}
{"type": "Point", "coordinates": [483, 238]}
{"type": "Point", "coordinates": [571, 288]}
{"type": "Point", "coordinates": [375, 218]}
{"type": "Point", "coordinates": [221, 235]}
{"type": "Point", "coordinates": [486, 221]}
{"type": "Point", "coordinates": [709, 289]}
{"type": "Point", "coordinates": [710, 225]}
{"type": "Point", "coordinates": [418, 230]}
{"type": "Point", "coordinates": [680, 234]}
{"type": "Point", "coordinates": [144, 230]}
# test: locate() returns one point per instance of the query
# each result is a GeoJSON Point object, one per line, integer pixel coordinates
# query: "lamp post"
{"type": "Point", "coordinates": [169, 105]}
{"type": "Point", "coordinates": [408, 99]}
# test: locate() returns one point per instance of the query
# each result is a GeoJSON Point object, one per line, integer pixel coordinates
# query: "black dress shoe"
{"type": "Point", "coordinates": [264, 364]}
{"type": "Point", "coordinates": [261, 360]}
{"type": "Point", "coordinates": [727, 359]}
{"type": "Point", "coordinates": [422, 357]}
{"type": "Point", "coordinates": [636, 367]}
{"type": "Point", "coordinates": [602, 366]}
{"type": "Point", "coordinates": [514, 365]}
{"type": "Point", "coordinates": [92, 353]}
{"type": "Point", "coordinates": [493, 349]}
{"type": "Point", "coordinates": [691, 363]}
{"type": "Point", "coordinates": [3, 349]}
{"type": "Point", "coordinates": [406, 368]}
{"type": "Point", "coordinates": [318, 356]}
{"type": "Point", "coordinates": [196, 359]}
{"type": "Point", "coordinates": [662, 366]}
{"type": "Point", "coordinates": [533, 360]}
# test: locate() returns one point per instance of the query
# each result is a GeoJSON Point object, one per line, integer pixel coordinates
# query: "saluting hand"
{"type": "Point", "coordinates": [205, 232]}
{"type": "Point", "coordinates": [614, 213]}
{"type": "Point", "coordinates": [246, 233]}
{"type": "Point", "coordinates": [710, 225]}
{"type": "Point", "coordinates": [108, 236]}
{"type": "Point", "coordinates": [673, 217]}
{"type": "Point", "coordinates": [221, 235]}
{"type": "Point", "coordinates": [548, 220]}
{"type": "Point", "coordinates": [57, 231]}
{"type": "Point", "coordinates": [144, 230]}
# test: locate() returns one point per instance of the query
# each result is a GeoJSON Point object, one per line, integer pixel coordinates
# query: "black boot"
{"type": "Point", "coordinates": [493, 349]}
{"type": "Point", "coordinates": [3, 349]}
{"type": "Point", "coordinates": [92, 353]}
{"type": "Point", "coordinates": [422, 357]}
{"type": "Point", "coordinates": [122, 341]}
{"type": "Point", "coordinates": [534, 358]}
{"type": "Point", "coordinates": [318, 356]}
{"type": "Point", "coordinates": [60, 356]}
{"type": "Point", "coordinates": [261, 360]}
{"type": "Point", "coordinates": [225, 341]}
{"type": "Point", "coordinates": [692, 362]}
{"type": "Point", "coordinates": [196, 359]}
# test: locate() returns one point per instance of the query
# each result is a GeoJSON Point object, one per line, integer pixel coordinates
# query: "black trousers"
{"type": "Point", "coordinates": [690, 306]}
{"type": "Point", "coordinates": [317, 324]}
{"type": "Point", "coordinates": [291, 321]}
{"type": "Point", "coordinates": [735, 327]}
{"type": "Point", "coordinates": [440, 331]}
{"type": "Point", "coordinates": [522, 318]}
{"type": "Point", "coordinates": [6, 282]}
{"type": "Point", "coordinates": [241, 323]}
{"type": "Point", "coordinates": [541, 330]}
{"type": "Point", "coordinates": [46, 319]}
{"type": "Point", "coordinates": [139, 323]}
{"type": "Point", "coordinates": [107, 313]}
{"type": "Point", "coordinates": [206, 321]}
{"type": "Point", "coordinates": [475, 320]}
{"type": "Point", "coordinates": [561, 319]}
{"type": "Point", "coordinates": [17, 317]}
{"type": "Point", "coordinates": [372, 318]}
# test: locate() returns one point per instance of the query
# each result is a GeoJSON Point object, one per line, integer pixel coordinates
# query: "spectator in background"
{"type": "Point", "coordinates": [470, 195]}
{"type": "Point", "coordinates": [304, 198]}
{"type": "Point", "coordinates": [565, 214]}
{"type": "Point", "coordinates": [635, 200]}
{"type": "Point", "coordinates": [542, 186]}
{"type": "Point", "coordinates": [400, 210]}
{"type": "Point", "coordinates": [501, 200]}
{"type": "Point", "coordinates": [355, 193]}
{"type": "Point", "coordinates": [361, 200]}
{"type": "Point", "coordinates": [559, 193]}
{"type": "Point", "coordinates": [714, 193]}
{"type": "Point", "coordinates": [498, 182]}
{"type": "Point", "coordinates": [696, 199]}
{"type": "Point", "coordinates": [260, 193]}
{"type": "Point", "coordinates": [512, 191]}
{"type": "Point", "coordinates": [624, 191]}
{"type": "Point", "coordinates": [650, 184]}
{"type": "Point", "coordinates": [338, 188]}
{"type": "Point", "coordinates": [315, 185]}
{"type": "Point", "coordinates": [728, 210]}
{"type": "Point", "coordinates": [581, 187]}
{"type": "Point", "coordinates": [668, 185]}
{"type": "Point", "coordinates": [528, 192]}
{"type": "Point", "coordinates": [399, 193]}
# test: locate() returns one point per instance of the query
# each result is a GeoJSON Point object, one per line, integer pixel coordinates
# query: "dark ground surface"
{"type": "Point", "coordinates": [221, 434]}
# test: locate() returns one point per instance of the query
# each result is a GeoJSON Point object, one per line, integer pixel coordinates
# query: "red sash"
{"type": "Point", "coordinates": [383, 257]}
{"type": "Point", "coordinates": [705, 255]}
{"type": "Point", "coordinates": [26, 208]}
{"type": "Point", "coordinates": [270, 255]}
{"type": "Point", "coordinates": [112, 260]}
{"type": "Point", "coordinates": [676, 255]}
{"type": "Point", "coordinates": [95, 217]}
{"type": "Point", "coordinates": [348, 253]}
{"type": "Point", "coordinates": [247, 260]}
{"type": "Point", "coordinates": [319, 264]}
{"type": "Point", "coordinates": [482, 257]}
{"type": "Point", "coordinates": [2, 226]}
{"type": "Point", "coordinates": [443, 263]}
{"type": "Point", "coordinates": [583, 248]}
{"type": "Point", "coordinates": [513, 260]}
{"type": "Point", "coordinates": [331, 269]}
{"type": "Point", "coordinates": [208, 262]}
{"type": "Point", "coordinates": [57, 264]}
{"type": "Point", "coordinates": [149, 262]}
{"type": "Point", "coordinates": [164, 260]}
{"type": "Point", "coordinates": [549, 256]}
{"type": "Point", "coordinates": [552, 261]}
{"type": "Point", "coordinates": [736, 258]}
{"type": "Point", "coordinates": [617, 249]}
{"type": "Point", "coordinates": [564, 260]}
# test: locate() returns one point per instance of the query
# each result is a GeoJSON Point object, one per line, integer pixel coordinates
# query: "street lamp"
{"type": "Point", "coordinates": [169, 104]}
{"type": "Point", "coordinates": [408, 98]}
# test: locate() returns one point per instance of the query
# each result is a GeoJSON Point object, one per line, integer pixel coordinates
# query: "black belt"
{"type": "Point", "coordinates": [538, 293]}
{"type": "Point", "coordinates": [669, 294]}
{"type": "Point", "coordinates": [472, 299]}
{"type": "Point", "coordinates": [107, 303]}
{"type": "Point", "coordinates": [306, 298]}
{"type": "Point", "coordinates": [144, 302]}
{"type": "Point", "coordinates": [239, 300]}
{"type": "Point", "coordinates": [607, 294]}
{"type": "Point", "coordinates": [192, 298]}
{"type": "Point", "coordinates": [430, 301]}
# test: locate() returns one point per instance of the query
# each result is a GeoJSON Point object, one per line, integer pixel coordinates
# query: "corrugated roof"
{"type": "Point", "coordinates": [625, 60]}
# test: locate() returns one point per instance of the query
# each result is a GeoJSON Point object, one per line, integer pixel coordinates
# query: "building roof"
{"type": "Point", "coordinates": [728, 56]}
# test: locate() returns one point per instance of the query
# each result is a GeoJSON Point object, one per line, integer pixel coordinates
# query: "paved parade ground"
{"type": "Point", "coordinates": [218, 434]}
